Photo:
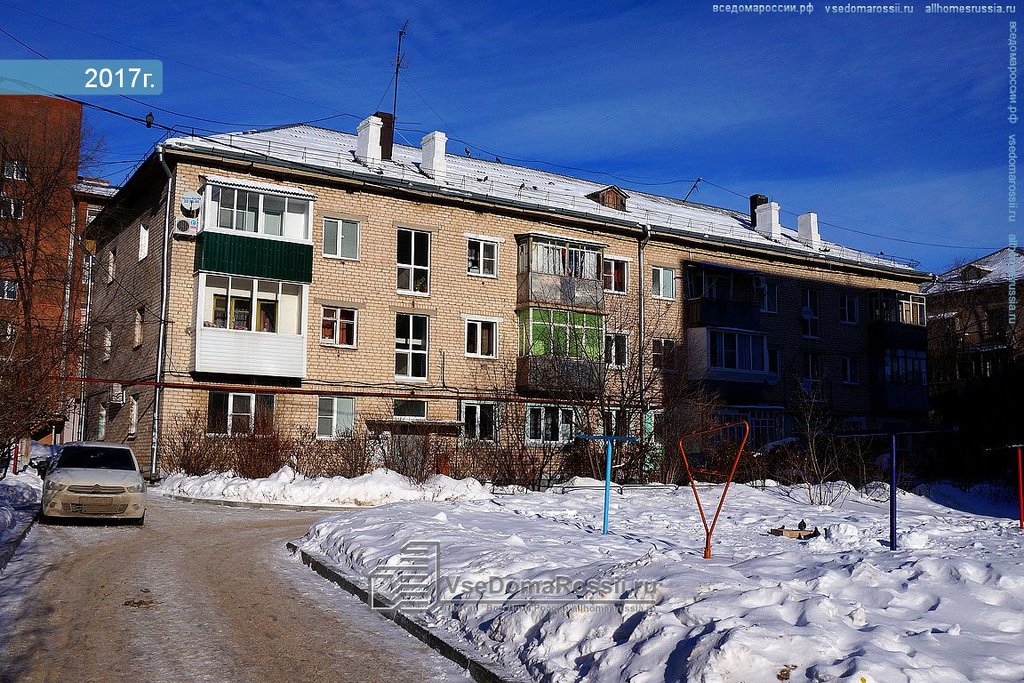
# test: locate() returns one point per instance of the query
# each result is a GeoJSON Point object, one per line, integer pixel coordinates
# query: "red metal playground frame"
{"type": "Point", "coordinates": [708, 530]}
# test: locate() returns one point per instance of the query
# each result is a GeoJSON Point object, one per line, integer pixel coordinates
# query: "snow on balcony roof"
{"type": "Point", "coordinates": [245, 184]}
{"type": "Point", "coordinates": [95, 187]}
{"type": "Point", "coordinates": [333, 152]}
{"type": "Point", "coordinates": [993, 269]}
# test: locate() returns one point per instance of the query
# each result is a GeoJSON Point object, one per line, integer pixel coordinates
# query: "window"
{"type": "Point", "coordinates": [811, 367]}
{"type": "Point", "coordinates": [12, 208]}
{"type": "Point", "coordinates": [904, 366]}
{"type": "Point", "coordinates": [482, 338]}
{"type": "Point", "coordinates": [111, 265]}
{"type": "Point", "coordinates": [616, 274]}
{"type": "Point", "coordinates": [809, 313]}
{"type": "Point", "coordinates": [409, 409]}
{"type": "Point", "coordinates": [663, 283]}
{"type": "Point", "coordinates": [341, 238]}
{"type": "Point", "coordinates": [549, 424]}
{"type": "Point", "coordinates": [232, 414]}
{"type": "Point", "coordinates": [335, 416]}
{"type": "Point", "coordinates": [848, 312]}
{"type": "Point", "coordinates": [139, 321]}
{"type": "Point", "coordinates": [737, 351]}
{"type": "Point", "coordinates": [413, 261]}
{"type": "Point", "coordinates": [770, 298]}
{"type": "Point", "coordinates": [9, 290]}
{"type": "Point", "coordinates": [133, 415]}
{"type": "Point", "coordinates": [479, 421]}
{"type": "Point", "coordinates": [774, 360]}
{"type": "Point", "coordinates": [410, 346]}
{"type": "Point", "coordinates": [555, 257]}
{"type": "Point", "coordinates": [101, 422]}
{"type": "Point", "coordinates": [849, 370]}
{"type": "Point", "coordinates": [15, 170]}
{"type": "Point", "coordinates": [250, 305]}
{"type": "Point", "coordinates": [902, 307]}
{"type": "Point", "coordinates": [549, 332]}
{"type": "Point", "coordinates": [616, 422]}
{"type": "Point", "coordinates": [9, 247]}
{"type": "Point", "coordinates": [91, 213]}
{"type": "Point", "coordinates": [615, 349]}
{"type": "Point", "coordinates": [664, 352]}
{"type": "Point", "coordinates": [143, 241]}
{"type": "Point", "coordinates": [912, 309]}
{"type": "Point", "coordinates": [7, 332]}
{"type": "Point", "coordinates": [338, 326]}
{"type": "Point", "coordinates": [482, 258]}
{"type": "Point", "coordinates": [259, 213]}
{"type": "Point", "coordinates": [108, 342]}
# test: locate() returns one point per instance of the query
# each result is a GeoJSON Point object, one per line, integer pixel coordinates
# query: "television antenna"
{"type": "Point", "coordinates": [399, 63]}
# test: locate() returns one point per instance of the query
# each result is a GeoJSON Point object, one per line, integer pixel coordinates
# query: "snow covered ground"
{"type": "Point", "coordinates": [19, 498]}
{"type": "Point", "coordinates": [947, 606]}
{"type": "Point", "coordinates": [288, 487]}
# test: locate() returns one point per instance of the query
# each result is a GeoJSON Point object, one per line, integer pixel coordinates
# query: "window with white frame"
{"type": "Point", "coordinates": [248, 304]}
{"type": "Point", "coordinates": [133, 415]}
{"type": "Point", "coordinates": [562, 258]}
{"type": "Point", "coordinates": [481, 338]}
{"type": "Point", "coordinates": [143, 241]}
{"type": "Point", "coordinates": [481, 257]}
{"type": "Point", "coordinates": [341, 238]}
{"type": "Point", "coordinates": [616, 275]}
{"type": "Point", "coordinates": [12, 208]}
{"type": "Point", "coordinates": [737, 350]}
{"type": "Point", "coordinates": [663, 353]}
{"type": "Point", "coordinates": [101, 422]}
{"type": "Point", "coordinates": [338, 326]}
{"type": "Point", "coordinates": [663, 283]}
{"type": "Point", "coordinates": [549, 424]}
{"type": "Point", "coordinates": [479, 421]}
{"type": "Point", "coordinates": [9, 290]}
{"type": "Point", "coordinates": [411, 346]}
{"type": "Point", "coordinates": [260, 213]}
{"type": "Point", "coordinates": [848, 312]}
{"type": "Point", "coordinates": [140, 314]}
{"type": "Point", "coordinates": [108, 342]}
{"type": "Point", "coordinates": [409, 409]}
{"type": "Point", "coordinates": [809, 313]}
{"type": "Point", "coordinates": [413, 261]}
{"type": "Point", "coordinates": [111, 265]}
{"type": "Point", "coordinates": [811, 371]}
{"type": "Point", "coordinates": [849, 370]}
{"type": "Point", "coordinates": [335, 416]}
{"type": "Point", "coordinates": [616, 345]}
{"type": "Point", "coordinates": [15, 170]}
{"type": "Point", "coordinates": [770, 298]}
{"type": "Point", "coordinates": [232, 414]}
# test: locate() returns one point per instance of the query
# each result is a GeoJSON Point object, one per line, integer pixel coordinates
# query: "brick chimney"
{"type": "Point", "coordinates": [434, 163]}
{"type": "Point", "coordinates": [756, 200]}
{"type": "Point", "coordinates": [767, 220]}
{"type": "Point", "coordinates": [387, 134]}
{"type": "Point", "coordinates": [807, 227]}
{"type": "Point", "coordinates": [368, 141]}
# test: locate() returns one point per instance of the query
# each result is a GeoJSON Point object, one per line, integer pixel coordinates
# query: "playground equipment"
{"type": "Point", "coordinates": [607, 468]}
{"type": "Point", "coordinates": [708, 530]}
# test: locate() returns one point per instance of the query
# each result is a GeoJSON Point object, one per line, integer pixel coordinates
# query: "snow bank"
{"type": "Point", "coordinates": [288, 487]}
{"type": "Point", "coordinates": [948, 606]}
{"type": "Point", "coordinates": [19, 498]}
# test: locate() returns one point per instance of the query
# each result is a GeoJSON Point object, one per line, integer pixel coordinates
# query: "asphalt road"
{"type": "Point", "coordinates": [200, 593]}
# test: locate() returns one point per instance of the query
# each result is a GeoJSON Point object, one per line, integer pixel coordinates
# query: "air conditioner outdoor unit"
{"type": "Point", "coordinates": [116, 393]}
{"type": "Point", "coordinates": [186, 227]}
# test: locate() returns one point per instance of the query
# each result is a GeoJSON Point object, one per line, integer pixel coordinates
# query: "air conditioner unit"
{"type": "Point", "coordinates": [116, 394]}
{"type": "Point", "coordinates": [186, 227]}
{"type": "Point", "coordinates": [760, 282]}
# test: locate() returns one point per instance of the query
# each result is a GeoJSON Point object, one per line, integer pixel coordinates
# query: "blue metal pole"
{"type": "Point", "coordinates": [892, 496]}
{"type": "Point", "coordinates": [607, 484]}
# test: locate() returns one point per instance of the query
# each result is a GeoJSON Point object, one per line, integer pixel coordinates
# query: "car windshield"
{"type": "Point", "coordinates": [96, 457]}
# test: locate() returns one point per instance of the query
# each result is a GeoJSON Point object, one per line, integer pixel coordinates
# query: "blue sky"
{"type": "Point", "coordinates": [892, 125]}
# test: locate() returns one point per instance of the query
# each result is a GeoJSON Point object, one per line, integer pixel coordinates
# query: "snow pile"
{"type": "Point", "coordinates": [288, 487]}
{"type": "Point", "coordinates": [19, 499]}
{"type": "Point", "coordinates": [948, 605]}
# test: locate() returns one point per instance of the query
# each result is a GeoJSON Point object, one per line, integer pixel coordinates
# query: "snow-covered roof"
{"type": "Point", "coordinates": [95, 187]}
{"type": "Point", "coordinates": [996, 268]}
{"type": "Point", "coordinates": [334, 152]}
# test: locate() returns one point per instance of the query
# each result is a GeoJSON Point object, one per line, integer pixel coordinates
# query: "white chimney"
{"type": "Point", "coordinates": [368, 142]}
{"type": "Point", "coordinates": [434, 163]}
{"type": "Point", "coordinates": [768, 220]}
{"type": "Point", "coordinates": [807, 226]}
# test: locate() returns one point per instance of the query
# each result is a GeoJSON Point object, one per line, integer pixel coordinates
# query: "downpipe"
{"type": "Point", "coordinates": [162, 336]}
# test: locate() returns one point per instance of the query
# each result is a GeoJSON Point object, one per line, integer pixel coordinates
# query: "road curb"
{"type": "Point", "coordinates": [263, 506]}
{"type": "Point", "coordinates": [479, 670]}
{"type": "Point", "coordinates": [7, 552]}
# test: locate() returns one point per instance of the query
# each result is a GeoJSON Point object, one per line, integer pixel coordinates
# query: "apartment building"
{"type": "Point", "coordinates": [320, 280]}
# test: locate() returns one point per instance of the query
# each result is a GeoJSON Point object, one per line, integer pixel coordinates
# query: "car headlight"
{"type": "Point", "coordinates": [54, 486]}
{"type": "Point", "coordinates": [135, 488]}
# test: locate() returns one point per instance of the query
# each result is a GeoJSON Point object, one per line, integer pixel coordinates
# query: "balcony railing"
{"type": "Point", "coordinates": [238, 352]}
{"type": "Point", "coordinates": [704, 312]}
{"type": "Point", "coordinates": [559, 290]}
{"type": "Point", "coordinates": [559, 375]}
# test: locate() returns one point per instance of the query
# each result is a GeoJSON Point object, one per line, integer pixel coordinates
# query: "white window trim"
{"type": "Point", "coordinates": [462, 415]}
{"type": "Point", "coordinates": [335, 436]}
{"type": "Point", "coordinates": [542, 442]}
{"type": "Point", "coordinates": [660, 296]}
{"type": "Point", "coordinates": [410, 352]}
{"type": "Point", "coordinates": [730, 330]}
{"type": "Point", "coordinates": [480, 319]}
{"type": "Point", "coordinates": [359, 238]}
{"type": "Point", "coordinates": [429, 267]}
{"type": "Point", "coordinates": [854, 373]}
{"type": "Point", "coordinates": [412, 418]}
{"type": "Point", "coordinates": [616, 259]}
{"type": "Point", "coordinates": [231, 404]}
{"type": "Point", "coordinates": [497, 254]}
{"type": "Point", "coordinates": [856, 309]}
{"type": "Point", "coordinates": [210, 217]}
{"type": "Point", "coordinates": [17, 165]}
{"type": "Point", "coordinates": [355, 324]}
{"type": "Point", "coordinates": [627, 335]}
{"type": "Point", "coordinates": [201, 312]}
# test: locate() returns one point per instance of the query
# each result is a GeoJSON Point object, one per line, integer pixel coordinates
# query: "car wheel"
{"type": "Point", "coordinates": [140, 521]}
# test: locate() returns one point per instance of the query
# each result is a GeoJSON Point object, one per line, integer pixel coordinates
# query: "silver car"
{"type": "Point", "coordinates": [96, 480]}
